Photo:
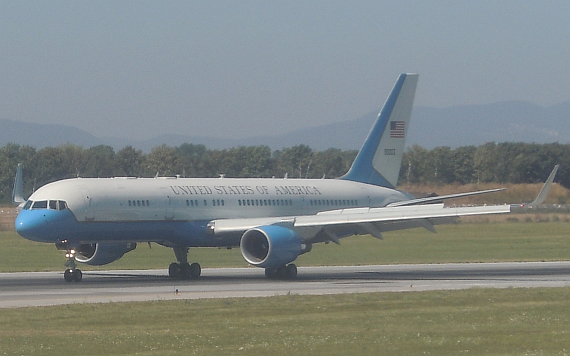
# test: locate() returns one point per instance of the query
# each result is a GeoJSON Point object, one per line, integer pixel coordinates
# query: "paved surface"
{"type": "Point", "coordinates": [48, 288]}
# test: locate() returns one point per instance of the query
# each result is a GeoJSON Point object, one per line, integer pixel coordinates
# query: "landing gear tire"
{"type": "Point", "coordinates": [73, 275]}
{"type": "Point", "coordinates": [184, 270]}
{"type": "Point", "coordinates": [174, 271]}
{"type": "Point", "coordinates": [291, 271]}
{"type": "Point", "coordinates": [195, 270]}
{"type": "Point", "coordinates": [271, 273]}
{"type": "Point", "coordinates": [288, 272]}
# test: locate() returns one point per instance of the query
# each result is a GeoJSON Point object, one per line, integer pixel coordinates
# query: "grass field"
{"type": "Point", "coordinates": [465, 242]}
{"type": "Point", "coordinates": [476, 321]}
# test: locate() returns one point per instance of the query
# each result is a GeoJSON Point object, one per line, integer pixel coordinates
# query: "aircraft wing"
{"type": "Point", "coordinates": [339, 223]}
{"type": "Point", "coordinates": [441, 197]}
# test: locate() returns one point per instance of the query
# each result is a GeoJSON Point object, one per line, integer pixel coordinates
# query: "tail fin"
{"type": "Point", "coordinates": [380, 157]}
{"type": "Point", "coordinates": [18, 192]}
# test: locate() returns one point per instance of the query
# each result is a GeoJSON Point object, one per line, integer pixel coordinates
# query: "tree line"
{"type": "Point", "coordinates": [508, 162]}
{"type": "Point", "coordinates": [492, 162]}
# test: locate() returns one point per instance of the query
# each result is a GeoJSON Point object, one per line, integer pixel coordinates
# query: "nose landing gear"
{"type": "Point", "coordinates": [72, 273]}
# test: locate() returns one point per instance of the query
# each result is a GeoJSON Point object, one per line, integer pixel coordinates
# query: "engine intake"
{"type": "Point", "coordinates": [270, 246]}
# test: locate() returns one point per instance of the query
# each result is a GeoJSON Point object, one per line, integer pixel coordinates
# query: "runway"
{"type": "Point", "coordinates": [49, 288]}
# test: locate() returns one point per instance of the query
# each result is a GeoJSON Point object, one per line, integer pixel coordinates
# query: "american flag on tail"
{"type": "Point", "coordinates": [397, 129]}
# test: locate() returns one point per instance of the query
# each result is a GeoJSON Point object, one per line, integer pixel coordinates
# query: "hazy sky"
{"type": "Point", "coordinates": [224, 68]}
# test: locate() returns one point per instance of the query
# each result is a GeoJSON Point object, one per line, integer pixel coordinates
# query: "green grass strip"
{"type": "Point", "coordinates": [475, 321]}
{"type": "Point", "coordinates": [493, 242]}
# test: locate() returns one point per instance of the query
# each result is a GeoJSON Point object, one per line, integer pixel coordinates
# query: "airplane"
{"type": "Point", "coordinates": [272, 220]}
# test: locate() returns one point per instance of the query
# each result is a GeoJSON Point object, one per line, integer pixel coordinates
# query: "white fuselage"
{"type": "Point", "coordinates": [204, 199]}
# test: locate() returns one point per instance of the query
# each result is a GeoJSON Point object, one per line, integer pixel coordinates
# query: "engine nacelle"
{"type": "Point", "coordinates": [100, 254]}
{"type": "Point", "coordinates": [270, 246]}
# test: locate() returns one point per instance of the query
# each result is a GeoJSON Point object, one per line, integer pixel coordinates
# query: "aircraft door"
{"type": "Point", "coordinates": [168, 204]}
{"type": "Point", "coordinates": [89, 210]}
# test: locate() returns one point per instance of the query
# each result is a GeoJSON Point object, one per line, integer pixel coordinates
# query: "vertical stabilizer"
{"type": "Point", "coordinates": [18, 192]}
{"type": "Point", "coordinates": [378, 161]}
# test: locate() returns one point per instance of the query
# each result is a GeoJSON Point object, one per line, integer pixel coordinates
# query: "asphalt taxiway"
{"type": "Point", "coordinates": [49, 288]}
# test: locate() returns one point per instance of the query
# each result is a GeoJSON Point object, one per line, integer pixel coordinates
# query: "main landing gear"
{"type": "Point", "coordinates": [183, 269]}
{"type": "Point", "coordinates": [288, 272]}
{"type": "Point", "coordinates": [72, 273]}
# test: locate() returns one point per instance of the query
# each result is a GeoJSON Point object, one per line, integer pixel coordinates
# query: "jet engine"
{"type": "Point", "coordinates": [270, 246]}
{"type": "Point", "coordinates": [98, 254]}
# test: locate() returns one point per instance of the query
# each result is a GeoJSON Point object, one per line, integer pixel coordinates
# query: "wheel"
{"type": "Point", "coordinates": [195, 270]}
{"type": "Point", "coordinates": [271, 273]}
{"type": "Point", "coordinates": [68, 275]}
{"type": "Point", "coordinates": [291, 271]}
{"type": "Point", "coordinates": [282, 272]}
{"type": "Point", "coordinates": [174, 270]}
{"type": "Point", "coordinates": [77, 275]}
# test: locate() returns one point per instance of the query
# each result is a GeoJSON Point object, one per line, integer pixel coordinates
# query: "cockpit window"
{"type": "Point", "coordinates": [45, 204]}
{"type": "Point", "coordinates": [40, 204]}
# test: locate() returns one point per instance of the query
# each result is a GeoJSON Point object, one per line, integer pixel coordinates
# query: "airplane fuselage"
{"type": "Point", "coordinates": [176, 211]}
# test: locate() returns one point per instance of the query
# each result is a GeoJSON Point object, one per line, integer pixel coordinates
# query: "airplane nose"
{"type": "Point", "coordinates": [29, 224]}
{"type": "Point", "coordinates": [45, 225]}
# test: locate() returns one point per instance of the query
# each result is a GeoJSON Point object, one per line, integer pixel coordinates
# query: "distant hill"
{"type": "Point", "coordinates": [513, 121]}
{"type": "Point", "coordinates": [43, 135]}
